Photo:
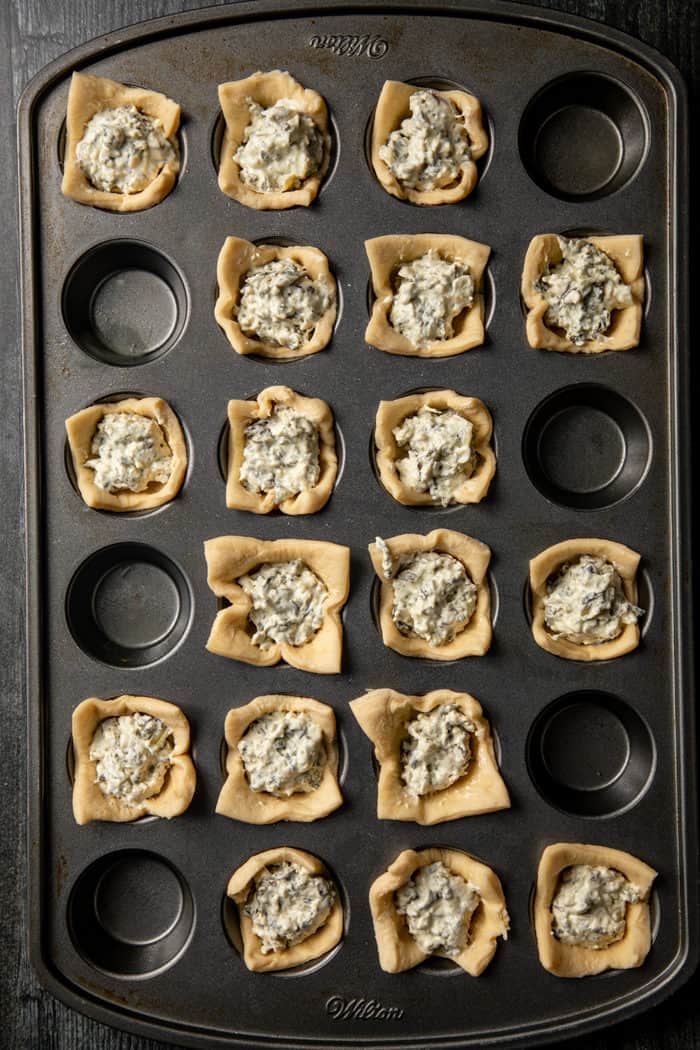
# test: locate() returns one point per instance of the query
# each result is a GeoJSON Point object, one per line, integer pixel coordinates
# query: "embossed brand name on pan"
{"type": "Point", "coordinates": [341, 1009]}
{"type": "Point", "coordinates": [352, 46]}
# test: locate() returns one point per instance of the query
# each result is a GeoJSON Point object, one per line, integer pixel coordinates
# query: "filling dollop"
{"type": "Point", "coordinates": [582, 291]}
{"type": "Point", "coordinates": [287, 905]}
{"type": "Point", "coordinates": [287, 602]}
{"type": "Point", "coordinates": [437, 455]}
{"type": "Point", "coordinates": [281, 304]}
{"type": "Point", "coordinates": [281, 148]}
{"type": "Point", "coordinates": [589, 907]}
{"type": "Point", "coordinates": [122, 150]}
{"type": "Point", "coordinates": [586, 604]}
{"type": "Point", "coordinates": [129, 451]}
{"type": "Point", "coordinates": [437, 749]}
{"type": "Point", "coordinates": [438, 906]}
{"type": "Point", "coordinates": [283, 753]}
{"type": "Point", "coordinates": [430, 147]}
{"type": "Point", "coordinates": [131, 755]}
{"type": "Point", "coordinates": [434, 598]}
{"type": "Point", "coordinates": [281, 454]}
{"type": "Point", "coordinates": [430, 292]}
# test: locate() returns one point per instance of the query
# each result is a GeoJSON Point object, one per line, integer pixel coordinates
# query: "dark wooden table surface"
{"type": "Point", "coordinates": [32, 33]}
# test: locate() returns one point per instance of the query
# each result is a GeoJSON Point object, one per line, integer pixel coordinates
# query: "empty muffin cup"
{"type": "Point", "coordinates": [583, 136]}
{"type": "Point", "coordinates": [125, 303]}
{"type": "Point", "coordinates": [128, 605]}
{"type": "Point", "coordinates": [586, 447]}
{"type": "Point", "coordinates": [130, 914]}
{"type": "Point", "coordinates": [590, 754]}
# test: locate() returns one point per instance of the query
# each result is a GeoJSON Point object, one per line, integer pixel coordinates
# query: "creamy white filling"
{"type": "Point", "coordinates": [436, 452]}
{"type": "Point", "coordinates": [287, 602]}
{"type": "Point", "coordinates": [281, 148]}
{"type": "Point", "coordinates": [586, 603]}
{"type": "Point", "coordinates": [281, 454]}
{"type": "Point", "coordinates": [430, 292]}
{"type": "Point", "coordinates": [122, 150]}
{"type": "Point", "coordinates": [283, 753]}
{"type": "Point", "coordinates": [437, 749]}
{"type": "Point", "coordinates": [281, 304]}
{"type": "Point", "coordinates": [129, 451]}
{"type": "Point", "coordinates": [131, 755]}
{"type": "Point", "coordinates": [589, 907]}
{"type": "Point", "coordinates": [438, 906]}
{"type": "Point", "coordinates": [431, 146]}
{"type": "Point", "coordinates": [434, 598]}
{"type": "Point", "coordinates": [582, 291]}
{"type": "Point", "coordinates": [287, 905]}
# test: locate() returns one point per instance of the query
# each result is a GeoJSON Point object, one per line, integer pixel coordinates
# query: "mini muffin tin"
{"type": "Point", "coordinates": [130, 923]}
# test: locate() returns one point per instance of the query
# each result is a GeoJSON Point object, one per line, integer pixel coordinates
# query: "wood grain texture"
{"type": "Point", "coordinates": [33, 32]}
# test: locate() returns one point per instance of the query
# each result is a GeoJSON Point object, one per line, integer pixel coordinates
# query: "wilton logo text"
{"type": "Point", "coordinates": [352, 46]}
{"type": "Point", "coordinates": [341, 1009]}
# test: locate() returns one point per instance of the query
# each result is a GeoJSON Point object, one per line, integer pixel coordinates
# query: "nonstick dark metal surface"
{"type": "Point", "coordinates": [587, 131]}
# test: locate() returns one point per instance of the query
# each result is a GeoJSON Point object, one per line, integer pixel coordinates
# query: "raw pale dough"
{"type": "Point", "coordinates": [238, 800]}
{"type": "Point", "coordinates": [475, 639]}
{"type": "Point", "coordinates": [397, 949]}
{"type": "Point", "coordinates": [384, 715]}
{"type": "Point", "coordinates": [572, 960]}
{"type": "Point", "coordinates": [89, 802]}
{"type": "Point", "coordinates": [387, 254]}
{"type": "Point", "coordinates": [230, 557]}
{"type": "Point", "coordinates": [626, 252]}
{"type": "Point", "coordinates": [81, 428]}
{"type": "Point", "coordinates": [239, 888]}
{"type": "Point", "coordinates": [393, 107]}
{"type": "Point", "coordinates": [89, 95]}
{"type": "Point", "coordinates": [266, 89]}
{"type": "Point", "coordinates": [548, 563]}
{"type": "Point", "coordinates": [391, 414]}
{"type": "Point", "coordinates": [236, 258]}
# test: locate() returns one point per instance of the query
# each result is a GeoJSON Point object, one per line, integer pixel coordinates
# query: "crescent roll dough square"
{"type": "Point", "coordinates": [236, 258]}
{"type": "Point", "coordinates": [384, 715]}
{"type": "Point", "coordinates": [81, 428]}
{"type": "Point", "coordinates": [89, 802]}
{"type": "Point", "coordinates": [242, 413]}
{"type": "Point", "coordinates": [240, 802]}
{"type": "Point", "coordinates": [266, 89]}
{"type": "Point", "coordinates": [239, 888]}
{"type": "Point", "coordinates": [387, 254]}
{"type": "Point", "coordinates": [626, 252]}
{"type": "Point", "coordinates": [573, 960]}
{"type": "Point", "coordinates": [475, 638]}
{"type": "Point", "coordinates": [548, 563]}
{"type": "Point", "coordinates": [391, 414]}
{"type": "Point", "coordinates": [393, 107]}
{"type": "Point", "coordinates": [230, 557]}
{"type": "Point", "coordinates": [398, 951]}
{"type": "Point", "coordinates": [89, 95]}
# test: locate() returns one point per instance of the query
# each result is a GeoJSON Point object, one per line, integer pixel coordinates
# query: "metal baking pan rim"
{"type": "Point", "coordinates": [682, 966]}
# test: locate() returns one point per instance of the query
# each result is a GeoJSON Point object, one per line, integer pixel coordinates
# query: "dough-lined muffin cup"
{"type": "Point", "coordinates": [475, 638]}
{"type": "Point", "coordinates": [81, 429]}
{"type": "Point", "coordinates": [626, 252]}
{"type": "Point", "coordinates": [242, 413]}
{"type": "Point", "coordinates": [321, 941]}
{"type": "Point", "coordinates": [236, 258]}
{"type": "Point", "coordinates": [230, 557]}
{"type": "Point", "coordinates": [89, 802]}
{"type": "Point", "coordinates": [391, 414]}
{"type": "Point", "coordinates": [548, 564]}
{"type": "Point", "coordinates": [572, 960]}
{"type": "Point", "coordinates": [89, 95]}
{"type": "Point", "coordinates": [238, 800]}
{"type": "Point", "coordinates": [387, 254]}
{"type": "Point", "coordinates": [393, 107]}
{"type": "Point", "coordinates": [384, 715]}
{"type": "Point", "coordinates": [398, 951]}
{"type": "Point", "coordinates": [266, 89]}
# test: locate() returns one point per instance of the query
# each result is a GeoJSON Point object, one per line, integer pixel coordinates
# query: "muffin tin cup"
{"type": "Point", "coordinates": [128, 923]}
